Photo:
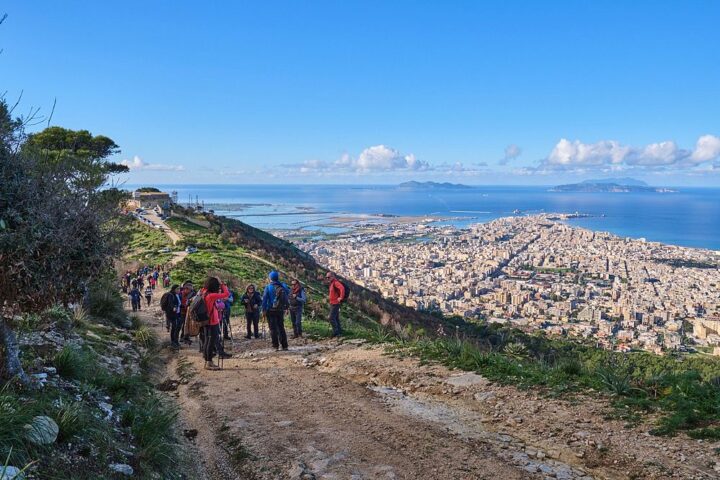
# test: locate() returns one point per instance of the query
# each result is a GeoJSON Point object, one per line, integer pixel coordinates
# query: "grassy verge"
{"type": "Point", "coordinates": [684, 393]}
{"type": "Point", "coordinates": [139, 430]}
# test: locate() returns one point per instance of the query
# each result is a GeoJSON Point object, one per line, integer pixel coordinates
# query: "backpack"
{"type": "Point", "coordinates": [165, 302]}
{"type": "Point", "coordinates": [197, 311]}
{"type": "Point", "coordinates": [346, 291]}
{"type": "Point", "coordinates": [280, 302]}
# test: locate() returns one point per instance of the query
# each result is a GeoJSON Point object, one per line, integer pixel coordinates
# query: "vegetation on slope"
{"type": "Point", "coordinates": [78, 370]}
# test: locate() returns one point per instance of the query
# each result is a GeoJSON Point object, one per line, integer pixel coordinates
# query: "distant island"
{"type": "Point", "coordinates": [611, 185]}
{"type": "Point", "coordinates": [413, 185]}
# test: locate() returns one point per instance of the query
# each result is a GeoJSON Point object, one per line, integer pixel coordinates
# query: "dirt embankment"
{"type": "Point", "coordinates": [334, 410]}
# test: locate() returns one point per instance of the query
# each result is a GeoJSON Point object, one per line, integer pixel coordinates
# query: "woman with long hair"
{"type": "Point", "coordinates": [212, 291]}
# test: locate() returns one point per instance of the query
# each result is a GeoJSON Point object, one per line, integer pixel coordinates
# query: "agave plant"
{"type": "Point", "coordinates": [515, 350]}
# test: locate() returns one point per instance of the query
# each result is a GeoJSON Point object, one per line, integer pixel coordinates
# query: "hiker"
{"type": "Point", "coordinates": [170, 304]}
{"type": "Point", "coordinates": [252, 302]}
{"type": "Point", "coordinates": [135, 297]}
{"type": "Point", "coordinates": [220, 306]}
{"type": "Point", "coordinates": [148, 294]}
{"type": "Point", "coordinates": [337, 294]}
{"type": "Point", "coordinates": [212, 291]}
{"type": "Point", "coordinates": [297, 303]}
{"type": "Point", "coordinates": [226, 315]}
{"type": "Point", "coordinates": [186, 294]}
{"type": "Point", "coordinates": [152, 282]}
{"type": "Point", "coordinates": [274, 305]}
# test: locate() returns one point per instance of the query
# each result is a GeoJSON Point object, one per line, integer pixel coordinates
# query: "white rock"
{"type": "Point", "coordinates": [107, 410]}
{"type": "Point", "coordinates": [42, 431]}
{"type": "Point", "coordinates": [122, 468]}
{"type": "Point", "coordinates": [11, 473]}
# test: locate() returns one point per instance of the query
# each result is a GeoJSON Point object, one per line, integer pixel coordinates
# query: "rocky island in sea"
{"type": "Point", "coordinates": [611, 185]}
{"type": "Point", "coordinates": [415, 185]}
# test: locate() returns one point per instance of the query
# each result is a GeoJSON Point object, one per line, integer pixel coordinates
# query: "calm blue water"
{"type": "Point", "coordinates": [690, 217]}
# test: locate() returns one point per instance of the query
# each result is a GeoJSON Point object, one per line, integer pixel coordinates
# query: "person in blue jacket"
{"type": "Point", "coordinates": [274, 305]}
{"type": "Point", "coordinates": [297, 303]}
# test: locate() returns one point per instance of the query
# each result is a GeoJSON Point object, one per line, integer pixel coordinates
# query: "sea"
{"type": "Point", "coordinates": [689, 217]}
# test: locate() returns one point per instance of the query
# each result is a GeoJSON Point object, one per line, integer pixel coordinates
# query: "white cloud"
{"type": "Point", "coordinates": [382, 158]}
{"type": "Point", "coordinates": [138, 163]}
{"type": "Point", "coordinates": [707, 148]}
{"type": "Point", "coordinates": [378, 158]}
{"type": "Point", "coordinates": [511, 153]}
{"type": "Point", "coordinates": [610, 155]}
{"type": "Point", "coordinates": [576, 153]}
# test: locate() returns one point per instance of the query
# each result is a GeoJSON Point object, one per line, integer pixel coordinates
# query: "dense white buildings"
{"type": "Point", "coordinates": [538, 272]}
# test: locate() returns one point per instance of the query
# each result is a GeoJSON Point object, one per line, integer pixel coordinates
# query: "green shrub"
{"type": "Point", "coordinates": [71, 419]}
{"type": "Point", "coordinates": [61, 316]}
{"type": "Point", "coordinates": [14, 415]}
{"type": "Point", "coordinates": [104, 300]}
{"type": "Point", "coordinates": [135, 322]}
{"type": "Point", "coordinates": [151, 423]}
{"type": "Point", "coordinates": [80, 317]}
{"type": "Point", "coordinates": [75, 364]}
{"type": "Point", "coordinates": [146, 337]}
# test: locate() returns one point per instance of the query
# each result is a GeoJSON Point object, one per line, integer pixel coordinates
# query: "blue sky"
{"type": "Point", "coordinates": [378, 92]}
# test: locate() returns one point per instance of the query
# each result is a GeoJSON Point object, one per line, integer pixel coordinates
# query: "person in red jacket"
{"type": "Point", "coordinates": [213, 290]}
{"type": "Point", "coordinates": [336, 295]}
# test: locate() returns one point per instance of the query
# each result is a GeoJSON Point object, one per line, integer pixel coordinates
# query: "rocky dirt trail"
{"type": "Point", "coordinates": [336, 410]}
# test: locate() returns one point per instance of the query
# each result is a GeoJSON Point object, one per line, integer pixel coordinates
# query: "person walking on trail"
{"type": "Point", "coordinates": [186, 294]}
{"type": "Point", "coordinates": [337, 294]}
{"type": "Point", "coordinates": [226, 315]}
{"type": "Point", "coordinates": [252, 301]}
{"type": "Point", "coordinates": [148, 294]}
{"type": "Point", "coordinates": [297, 303]}
{"type": "Point", "coordinates": [274, 304]}
{"type": "Point", "coordinates": [212, 291]}
{"type": "Point", "coordinates": [170, 304]}
{"type": "Point", "coordinates": [135, 297]}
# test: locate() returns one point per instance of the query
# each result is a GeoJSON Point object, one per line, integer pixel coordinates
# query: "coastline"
{"type": "Point", "coordinates": [689, 218]}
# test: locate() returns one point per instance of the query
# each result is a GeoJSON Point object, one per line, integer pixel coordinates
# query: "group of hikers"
{"type": "Point", "coordinates": [206, 312]}
{"type": "Point", "coordinates": [134, 284]}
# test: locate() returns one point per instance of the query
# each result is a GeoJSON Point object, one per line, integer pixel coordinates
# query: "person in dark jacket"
{"type": "Point", "coordinates": [274, 311]}
{"type": "Point", "coordinates": [135, 297]}
{"type": "Point", "coordinates": [172, 314]}
{"type": "Point", "coordinates": [297, 303]}
{"type": "Point", "coordinates": [226, 315]}
{"type": "Point", "coordinates": [252, 301]}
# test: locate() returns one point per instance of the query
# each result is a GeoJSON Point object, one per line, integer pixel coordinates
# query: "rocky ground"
{"type": "Point", "coordinates": [333, 410]}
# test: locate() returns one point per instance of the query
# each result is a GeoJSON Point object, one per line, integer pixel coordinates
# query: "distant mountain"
{"type": "Point", "coordinates": [626, 181]}
{"type": "Point", "coordinates": [611, 185]}
{"type": "Point", "coordinates": [413, 185]}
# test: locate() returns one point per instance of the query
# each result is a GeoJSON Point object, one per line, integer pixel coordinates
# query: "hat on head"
{"type": "Point", "coordinates": [274, 276]}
